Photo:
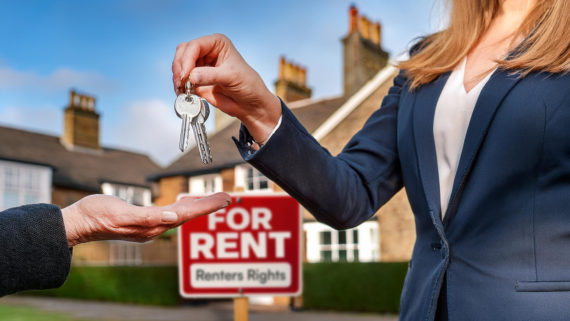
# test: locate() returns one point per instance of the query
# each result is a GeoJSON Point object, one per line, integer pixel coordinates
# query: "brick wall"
{"type": "Point", "coordinates": [63, 197]}
{"type": "Point", "coordinates": [169, 188]}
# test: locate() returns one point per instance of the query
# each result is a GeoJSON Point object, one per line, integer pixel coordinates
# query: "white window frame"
{"type": "Point", "coordinates": [125, 253]}
{"type": "Point", "coordinates": [127, 192]}
{"type": "Point", "coordinates": [26, 180]}
{"type": "Point", "coordinates": [241, 179]}
{"type": "Point", "coordinates": [368, 245]}
{"type": "Point", "coordinates": [205, 184]}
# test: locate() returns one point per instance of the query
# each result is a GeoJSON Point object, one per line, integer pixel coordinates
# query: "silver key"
{"type": "Point", "coordinates": [199, 128]}
{"type": "Point", "coordinates": [187, 106]}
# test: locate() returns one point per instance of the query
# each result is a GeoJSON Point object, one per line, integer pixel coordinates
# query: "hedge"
{"type": "Point", "coordinates": [364, 287]}
{"type": "Point", "coordinates": [153, 285]}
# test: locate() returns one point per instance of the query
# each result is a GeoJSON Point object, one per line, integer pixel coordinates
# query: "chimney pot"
{"type": "Point", "coordinates": [301, 82]}
{"type": "Point", "coordinates": [353, 18]}
{"type": "Point", "coordinates": [72, 97]}
{"type": "Point", "coordinates": [364, 27]}
{"type": "Point", "coordinates": [375, 33]}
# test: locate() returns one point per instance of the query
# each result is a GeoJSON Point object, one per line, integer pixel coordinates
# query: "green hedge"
{"type": "Point", "coordinates": [365, 287]}
{"type": "Point", "coordinates": [132, 284]}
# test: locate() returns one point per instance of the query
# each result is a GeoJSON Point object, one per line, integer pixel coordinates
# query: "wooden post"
{"type": "Point", "coordinates": [241, 308]}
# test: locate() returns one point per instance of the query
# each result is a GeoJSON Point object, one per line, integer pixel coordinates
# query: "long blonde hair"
{"type": "Point", "coordinates": [546, 46]}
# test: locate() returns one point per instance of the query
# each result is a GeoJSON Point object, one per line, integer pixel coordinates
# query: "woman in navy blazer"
{"type": "Point", "coordinates": [502, 249]}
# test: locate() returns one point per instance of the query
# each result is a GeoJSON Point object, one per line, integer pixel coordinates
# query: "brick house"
{"type": "Point", "coordinates": [332, 121]}
{"type": "Point", "coordinates": [39, 168]}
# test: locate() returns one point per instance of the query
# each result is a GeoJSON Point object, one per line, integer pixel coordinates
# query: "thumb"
{"type": "Point", "coordinates": [208, 76]}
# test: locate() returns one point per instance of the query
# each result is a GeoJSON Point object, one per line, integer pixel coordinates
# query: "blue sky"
{"type": "Point", "coordinates": [121, 52]}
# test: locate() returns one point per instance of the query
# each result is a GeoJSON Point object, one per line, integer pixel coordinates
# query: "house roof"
{"type": "Point", "coordinates": [77, 168]}
{"type": "Point", "coordinates": [310, 112]}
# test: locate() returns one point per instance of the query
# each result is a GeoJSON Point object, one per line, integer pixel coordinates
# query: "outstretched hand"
{"type": "Point", "coordinates": [105, 217]}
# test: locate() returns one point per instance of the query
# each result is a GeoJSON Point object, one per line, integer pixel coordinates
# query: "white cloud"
{"type": "Point", "coordinates": [59, 79]}
{"type": "Point", "coordinates": [150, 127]}
{"type": "Point", "coordinates": [45, 119]}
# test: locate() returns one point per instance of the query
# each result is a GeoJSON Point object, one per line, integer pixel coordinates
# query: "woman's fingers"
{"type": "Point", "coordinates": [207, 48]}
{"type": "Point", "coordinates": [207, 76]}
{"type": "Point", "coordinates": [177, 66]}
{"type": "Point", "coordinates": [215, 96]}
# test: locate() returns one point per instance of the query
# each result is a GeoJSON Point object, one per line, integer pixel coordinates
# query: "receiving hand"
{"type": "Point", "coordinates": [104, 217]}
{"type": "Point", "coordinates": [222, 77]}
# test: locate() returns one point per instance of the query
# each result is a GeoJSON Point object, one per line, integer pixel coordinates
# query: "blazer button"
{"type": "Point", "coordinates": [436, 246]}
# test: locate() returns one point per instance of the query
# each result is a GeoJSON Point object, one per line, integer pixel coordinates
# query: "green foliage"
{"type": "Point", "coordinates": [153, 285]}
{"type": "Point", "coordinates": [364, 287]}
{"type": "Point", "coordinates": [30, 314]}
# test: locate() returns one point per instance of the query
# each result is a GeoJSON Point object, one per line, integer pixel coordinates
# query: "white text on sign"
{"type": "Point", "coordinates": [233, 245]}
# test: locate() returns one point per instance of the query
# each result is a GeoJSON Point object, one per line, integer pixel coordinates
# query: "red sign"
{"type": "Point", "coordinates": [252, 247]}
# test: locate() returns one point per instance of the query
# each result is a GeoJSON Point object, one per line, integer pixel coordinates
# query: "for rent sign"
{"type": "Point", "coordinates": [252, 247]}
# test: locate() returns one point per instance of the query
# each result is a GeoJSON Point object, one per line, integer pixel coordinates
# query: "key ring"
{"type": "Point", "coordinates": [189, 90]}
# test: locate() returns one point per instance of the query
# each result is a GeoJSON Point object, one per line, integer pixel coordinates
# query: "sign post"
{"type": "Point", "coordinates": [241, 308]}
{"type": "Point", "coordinates": [252, 247]}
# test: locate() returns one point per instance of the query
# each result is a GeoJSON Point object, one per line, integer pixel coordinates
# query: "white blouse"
{"type": "Point", "coordinates": [452, 115]}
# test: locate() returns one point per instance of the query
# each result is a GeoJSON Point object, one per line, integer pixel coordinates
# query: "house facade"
{"type": "Point", "coordinates": [39, 168]}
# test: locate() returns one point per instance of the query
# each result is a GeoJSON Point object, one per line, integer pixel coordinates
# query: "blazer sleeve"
{"type": "Point", "coordinates": [341, 191]}
{"type": "Point", "coordinates": [34, 253]}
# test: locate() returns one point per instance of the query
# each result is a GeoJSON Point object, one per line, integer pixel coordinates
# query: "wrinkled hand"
{"type": "Point", "coordinates": [222, 77]}
{"type": "Point", "coordinates": [104, 217]}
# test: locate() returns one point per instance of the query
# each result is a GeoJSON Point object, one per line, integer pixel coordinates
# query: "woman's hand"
{"type": "Point", "coordinates": [222, 77]}
{"type": "Point", "coordinates": [104, 217]}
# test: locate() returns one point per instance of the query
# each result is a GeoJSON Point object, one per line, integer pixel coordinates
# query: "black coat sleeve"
{"type": "Point", "coordinates": [34, 253]}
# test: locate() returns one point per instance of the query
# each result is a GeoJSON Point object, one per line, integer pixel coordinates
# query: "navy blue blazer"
{"type": "Point", "coordinates": [504, 244]}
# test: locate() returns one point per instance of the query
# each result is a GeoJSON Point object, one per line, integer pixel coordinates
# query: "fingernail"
{"type": "Point", "coordinates": [228, 203]}
{"type": "Point", "coordinates": [169, 217]}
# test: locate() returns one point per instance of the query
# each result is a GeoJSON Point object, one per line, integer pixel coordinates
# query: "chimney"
{"type": "Point", "coordinates": [292, 82]}
{"type": "Point", "coordinates": [363, 53]}
{"type": "Point", "coordinates": [81, 122]}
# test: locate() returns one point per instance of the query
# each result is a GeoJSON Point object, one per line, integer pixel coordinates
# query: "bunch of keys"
{"type": "Point", "coordinates": [194, 112]}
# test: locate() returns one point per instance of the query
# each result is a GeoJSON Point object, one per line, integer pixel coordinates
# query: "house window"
{"type": "Point", "coordinates": [132, 194]}
{"type": "Point", "coordinates": [125, 253]}
{"type": "Point", "coordinates": [255, 181]}
{"type": "Point", "coordinates": [250, 179]}
{"type": "Point", "coordinates": [205, 184]}
{"type": "Point", "coordinates": [325, 244]}
{"type": "Point", "coordinates": [22, 184]}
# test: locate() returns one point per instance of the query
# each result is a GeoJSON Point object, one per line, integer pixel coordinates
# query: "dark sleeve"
{"type": "Point", "coordinates": [34, 253]}
{"type": "Point", "coordinates": [340, 191]}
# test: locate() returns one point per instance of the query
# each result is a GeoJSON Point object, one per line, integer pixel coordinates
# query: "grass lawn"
{"type": "Point", "coordinates": [19, 313]}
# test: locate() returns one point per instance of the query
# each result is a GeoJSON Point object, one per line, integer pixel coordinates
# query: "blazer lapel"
{"type": "Point", "coordinates": [424, 111]}
{"type": "Point", "coordinates": [490, 98]}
